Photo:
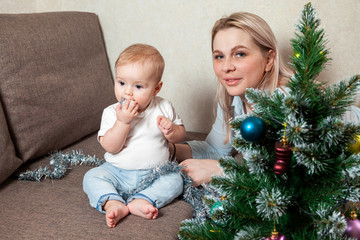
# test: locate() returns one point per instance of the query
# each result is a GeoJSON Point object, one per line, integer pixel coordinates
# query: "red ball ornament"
{"type": "Point", "coordinates": [276, 236]}
{"type": "Point", "coordinates": [283, 155]}
{"type": "Point", "coordinates": [353, 226]}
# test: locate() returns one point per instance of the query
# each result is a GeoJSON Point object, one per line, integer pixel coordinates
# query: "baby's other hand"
{"type": "Point", "coordinates": [165, 125]}
{"type": "Point", "coordinates": [127, 111]}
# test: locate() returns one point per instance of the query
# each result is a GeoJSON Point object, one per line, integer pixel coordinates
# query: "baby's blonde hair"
{"type": "Point", "coordinates": [262, 35]}
{"type": "Point", "coordinates": [141, 53]}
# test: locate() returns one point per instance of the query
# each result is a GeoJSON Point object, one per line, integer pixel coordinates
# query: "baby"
{"type": "Point", "coordinates": [135, 133]}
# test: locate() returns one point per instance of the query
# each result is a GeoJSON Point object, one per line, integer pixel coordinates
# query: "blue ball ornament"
{"type": "Point", "coordinates": [218, 208]}
{"type": "Point", "coordinates": [252, 129]}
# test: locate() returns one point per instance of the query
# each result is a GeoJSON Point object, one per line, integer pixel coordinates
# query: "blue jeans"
{"type": "Point", "coordinates": [108, 182]}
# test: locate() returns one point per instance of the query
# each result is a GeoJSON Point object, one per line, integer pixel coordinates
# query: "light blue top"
{"type": "Point", "coordinates": [213, 147]}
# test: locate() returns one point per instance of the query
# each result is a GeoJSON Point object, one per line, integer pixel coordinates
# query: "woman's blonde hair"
{"type": "Point", "coordinates": [263, 37]}
{"type": "Point", "coordinates": [142, 53]}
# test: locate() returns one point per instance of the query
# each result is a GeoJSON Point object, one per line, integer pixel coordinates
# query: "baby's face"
{"type": "Point", "coordinates": [136, 82]}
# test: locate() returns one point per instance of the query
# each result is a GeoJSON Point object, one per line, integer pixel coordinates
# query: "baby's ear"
{"type": "Point", "coordinates": [158, 87]}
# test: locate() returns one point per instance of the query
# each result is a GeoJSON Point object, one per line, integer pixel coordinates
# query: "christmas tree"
{"type": "Point", "coordinates": [298, 179]}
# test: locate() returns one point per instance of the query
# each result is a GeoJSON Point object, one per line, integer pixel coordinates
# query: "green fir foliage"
{"type": "Point", "coordinates": [308, 201]}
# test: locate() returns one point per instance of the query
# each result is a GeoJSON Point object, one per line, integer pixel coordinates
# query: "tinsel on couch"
{"type": "Point", "coordinates": [61, 163]}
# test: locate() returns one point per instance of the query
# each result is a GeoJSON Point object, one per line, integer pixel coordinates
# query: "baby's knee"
{"type": "Point", "coordinates": [94, 175]}
{"type": "Point", "coordinates": [87, 180]}
{"type": "Point", "coordinates": [90, 174]}
{"type": "Point", "coordinates": [178, 178]}
{"type": "Point", "coordinates": [175, 183]}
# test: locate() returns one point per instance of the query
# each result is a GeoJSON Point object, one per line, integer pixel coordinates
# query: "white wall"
{"type": "Point", "coordinates": [180, 29]}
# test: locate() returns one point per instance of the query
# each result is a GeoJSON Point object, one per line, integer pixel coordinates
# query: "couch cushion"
{"type": "Point", "coordinates": [8, 160]}
{"type": "Point", "coordinates": [55, 79]}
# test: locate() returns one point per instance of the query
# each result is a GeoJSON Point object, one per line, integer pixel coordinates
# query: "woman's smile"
{"type": "Point", "coordinates": [232, 81]}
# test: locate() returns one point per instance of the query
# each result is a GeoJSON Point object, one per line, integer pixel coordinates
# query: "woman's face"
{"type": "Point", "coordinates": [238, 62]}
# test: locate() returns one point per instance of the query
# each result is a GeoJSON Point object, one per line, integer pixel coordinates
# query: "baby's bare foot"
{"type": "Point", "coordinates": [115, 210]}
{"type": "Point", "coordinates": [143, 208]}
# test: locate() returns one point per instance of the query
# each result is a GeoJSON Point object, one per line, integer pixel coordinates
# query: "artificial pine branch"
{"type": "Point", "coordinates": [310, 54]}
{"type": "Point", "coordinates": [342, 95]}
{"type": "Point", "coordinates": [267, 106]}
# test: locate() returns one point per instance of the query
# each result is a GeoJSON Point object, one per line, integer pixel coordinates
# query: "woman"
{"type": "Point", "coordinates": [245, 55]}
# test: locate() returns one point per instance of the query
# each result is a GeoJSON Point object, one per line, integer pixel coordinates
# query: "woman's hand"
{"type": "Point", "coordinates": [200, 170]}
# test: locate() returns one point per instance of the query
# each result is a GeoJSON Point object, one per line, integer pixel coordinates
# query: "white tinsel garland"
{"type": "Point", "coordinates": [60, 163]}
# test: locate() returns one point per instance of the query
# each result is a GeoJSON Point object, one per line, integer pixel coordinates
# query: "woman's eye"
{"type": "Point", "coordinates": [218, 57]}
{"type": "Point", "coordinates": [138, 86]}
{"type": "Point", "coordinates": [240, 54]}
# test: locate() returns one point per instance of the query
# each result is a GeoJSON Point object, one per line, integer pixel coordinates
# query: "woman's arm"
{"type": "Point", "coordinates": [352, 115]}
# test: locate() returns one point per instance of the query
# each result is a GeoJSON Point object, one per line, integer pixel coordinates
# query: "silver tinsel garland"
{"type": "Point", "coordinates": [60, 163]}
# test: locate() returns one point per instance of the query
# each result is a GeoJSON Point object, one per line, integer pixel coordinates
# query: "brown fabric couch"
{"type": "Point", "coordinates": [55, 81]}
